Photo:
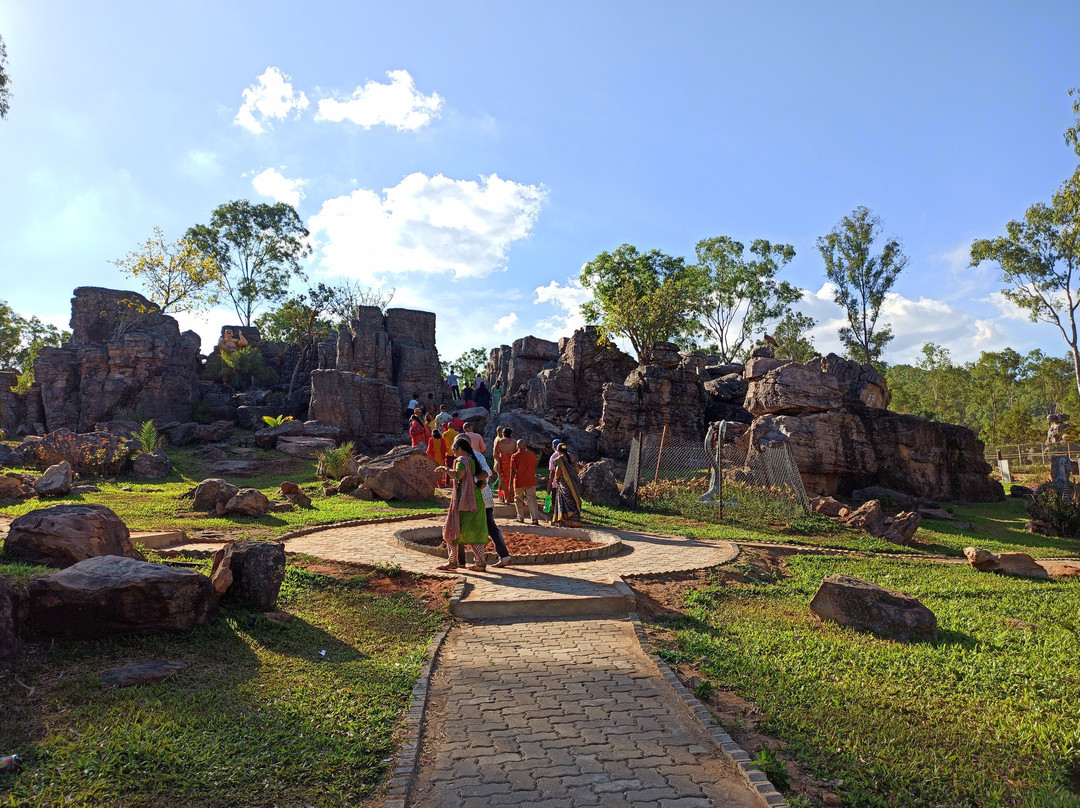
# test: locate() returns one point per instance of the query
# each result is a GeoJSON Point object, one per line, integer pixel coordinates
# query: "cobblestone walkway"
{"type": "Point", "coordinates": [563, 713]}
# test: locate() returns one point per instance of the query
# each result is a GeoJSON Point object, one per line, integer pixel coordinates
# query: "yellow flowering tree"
{"type": "Point", "coordinates": [176, 276]}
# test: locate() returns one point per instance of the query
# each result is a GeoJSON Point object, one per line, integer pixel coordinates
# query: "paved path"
{"type": "Point", "coordinates": [563, 713]}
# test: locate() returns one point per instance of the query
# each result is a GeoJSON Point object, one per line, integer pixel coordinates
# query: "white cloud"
{"type": "Point", "coordinates": [505, 324]}
{"type": "Point", "coordinates": [271, 96]}
{"type": "Point", "coordinates": [273, 184]}
{"type": "Point", "coordinates": [1006, 308]}
{"type": "Point", "coordinates": [201, 165]}
{"type": "Point", "coordinates": [425, 224]}
{"type": "Point", "coordinates": [395, 104]}
{"type": "Point", "coordinates": [568, 299]}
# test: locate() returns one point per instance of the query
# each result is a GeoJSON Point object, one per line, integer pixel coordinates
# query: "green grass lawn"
{"type": "Point", "coordinates": [988, 715]}
{"type": "Point", "coordinates": [256, 717]}
{"type": "Point", "coordinates": [160, 504]}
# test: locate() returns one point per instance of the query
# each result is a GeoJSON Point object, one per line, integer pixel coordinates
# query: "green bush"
{"type": "Point", "coordinates": [148, 438]}
{"type": "Point", "coordinates": [335, 462]}
{"type": "Point", "coordinates": [1060, 517]}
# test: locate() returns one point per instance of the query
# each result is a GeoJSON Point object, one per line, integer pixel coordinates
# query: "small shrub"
{"type": "Point", "coordinates": [705, 690]}
{"type": "Point", "coordinates": [1060, 517]}
{"type": "Point", "coordinates": [246, 367]}
{"type": "Point", "coordinates": [148, 438]}
{"type": "Point", "coordinates": [276, 420]}
{"type": "Point", "coordinates": [334, 462]}
{"type": "Point", "coordinates": [390, 570]}
{"type": "Point", "coordinates": [200, 412]}
{"type": "Point", "coordinates": [773, 768]}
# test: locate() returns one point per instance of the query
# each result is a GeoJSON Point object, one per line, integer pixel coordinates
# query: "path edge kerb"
{"type": "Point", "coordinates": [753, 776]}
{"type": "Point", "coordinates": [406, 761]}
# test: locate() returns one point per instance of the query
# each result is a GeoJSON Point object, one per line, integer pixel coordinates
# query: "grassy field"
{"type": "Point", "coordinates": [161, 505]}
{"type": "Point", "coordinates": [988, 715]}
{"type": "Point", "coordinates": [256, 717]}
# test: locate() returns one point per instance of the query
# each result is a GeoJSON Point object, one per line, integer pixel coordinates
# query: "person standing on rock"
{"type": "Point", "coordinates": [418, 433]}
{"type": "Point", "coordinates": [496, 397]}
{"type": "Point", "coordinates": [483, 395]}
{"type": "Point", "coordinates": [504, 450]}
{"type": "Point", "coordinates": [465, 521]}
{"type": "Point", "coordinates": [566, 509]}
{"type": "Point", "coordinates": [469, 396]}
{"type": "Point", "coordinates": [452, 383]}
{"type": "Point", "coordinates": [523, 482]}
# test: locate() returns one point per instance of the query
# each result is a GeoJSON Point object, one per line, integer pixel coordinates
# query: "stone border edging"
{"type": "Point", "coordinates": [753, 776]}
{"type": "Point", "coordinates": [407, 759]}
{"type": "Point", "coordinates": [305, 531]}
{"type": "Point", "coordinates": [604, 550]}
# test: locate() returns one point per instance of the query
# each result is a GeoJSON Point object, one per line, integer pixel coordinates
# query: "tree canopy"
{"type": "Point", "coordinates": [258, 248]}
{"type": "Point", "coordinates": [5, 81]}
{"type": "Point", "coordinates": [791, 337]}
{"type": "Point", "coordinates": [644, 297]}
{"type": "Point", "coordinates": [177, 275]}
{"type": "Point", "coordinates": [862, 280]}
{"type": "Point", "coordinates": [741, 296]}
{"type": "Point", "coordinates": [468, 366]}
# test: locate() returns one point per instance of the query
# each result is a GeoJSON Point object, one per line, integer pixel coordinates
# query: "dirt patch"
{"type": "Point", "coordinates": [662, 596]}
{"type": "Point", "coordinates": [433, 592]}
{"type": "Point", "coordinates": [520, 544]}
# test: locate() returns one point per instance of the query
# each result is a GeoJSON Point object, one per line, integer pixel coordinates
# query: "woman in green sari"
{"type": "Point", "coordinates": [466, 518]}
{"type": "Point", "coordinates": [566, 509]}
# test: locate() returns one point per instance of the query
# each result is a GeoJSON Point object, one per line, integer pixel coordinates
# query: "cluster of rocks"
{"type": "Point", "coordinates": [871, 518]}
{"type": "Point", "coordinates": [57, 481]}
{"type": "Point", "coordinates": [220, 498]}
{"type": "Point", "coordinates": [1020, 564]}
{"type": "Point", "coordinates": [105, 586]}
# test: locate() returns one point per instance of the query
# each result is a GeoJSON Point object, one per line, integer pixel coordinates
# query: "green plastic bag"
{"type": "Point", "coordinates": [547, 505]}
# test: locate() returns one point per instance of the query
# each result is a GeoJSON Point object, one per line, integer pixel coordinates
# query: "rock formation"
{"type": "Point", "coordinates": [123, 356]}
{"type": "Point", "coordinates": [516, 364]}
{"type": "Point", "coordinates": [576, 384]}
{"type": "Point", "coordinates": [254, 569]}
{"type": "Point", "coordinates": [67, 534]}
{"type": "Point", "coordinates": [359, 405]}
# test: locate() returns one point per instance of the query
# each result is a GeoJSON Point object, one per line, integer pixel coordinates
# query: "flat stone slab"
{"type": "Point", "coordinates": [141, 673]}
{"type": "Point", "coordinates": [157, 539]}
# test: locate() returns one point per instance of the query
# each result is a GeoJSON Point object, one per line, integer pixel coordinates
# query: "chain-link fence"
{"type": "Point", "coordinates": [678, 474]}
{"type": "Point", "coordinates": [1030, 454]}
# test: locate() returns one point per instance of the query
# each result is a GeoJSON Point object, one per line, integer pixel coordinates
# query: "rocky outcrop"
{"type": "Point", "coordinates": [539, 434]}
{"type": "Point", "coordinates": [827, 411]}
{"type": "Point", "coordinates": [16, 486]}
{"type": "Point", "coordinates": [208, 494]}
{"type": "Point", "coordinates": [586, 363]}
{"type": "Point", "coordinates": [598, 484]}
{"type": "Point", "coordinates": [102, 453]}
{"type": "Point", "coordinates": [865, 606]}
{"type": "Point", "coordinates": [1005, 563]}
{"type": "Point", "coordinates": [253, 570]}
{"type": "Point", "coordinates": [666, 394]}
{"type": "Point", "coordinates": [123, 355]}
{"type": "Point", "coordinates": [304, 446]}
{"type": "Point", "coordinates": [116, 595]}
{"type": "Point", "coordinates": [405, 473]}
{"type": "Point", "coordinates": [67, 534]}
{"type": "Point", "coordinates": [358, 405]}
{"type": "Point", "coordinates": [516, 364]}
{"type": "Point", "coordinates": [12, 404]}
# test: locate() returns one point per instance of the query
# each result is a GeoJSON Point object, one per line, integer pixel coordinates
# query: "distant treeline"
{"type": "Point", "coordinates": [1005, 396]}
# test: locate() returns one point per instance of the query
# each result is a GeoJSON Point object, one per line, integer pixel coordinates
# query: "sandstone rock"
{"type": "Point", "coordinates": [1060, 569]}
{"type": "Point", "coordinates": [598, 485]}
{"type": "Point", "coordinates": [900, 529]}
{"type": "Point", "coordinates": [212, 453]}
{"type": "Point", "coordinates": [827, 506]}
{"type": "Point", "coordinates": [317, 429]}
{"type": "Point", "coordinates": [267, 438]}
{"type": "Point", "coordinates": [729, 389]}
{"type": "Point", "coordinates": [88, 453]}
{"type": "Point", "coordinates": [358, 405]}
{"type": "Point", "coordinates": [210, 492]}
{"type": "Point", "coordinates": [152, 465]}
{"type": "Point", "coordinates": [865, 606]}
{"type": "Point", "coordinates": [289, 487]}
{"type": "Point", "coordinates": [141, 673]}
{"type": "Point", "coordinates": [216, 432]}
{"type": "Point", "coordinates": [309, 448]}
{"type": "Point", "coordinates": [792, 390]}
{"type": "Point", "coordinates": [586, 363]}
{"type": "Point", "coordinates": [861, 384]}
{"type": "Point", "coordinates": [936, 513]}
{"type": "Point", "coordinates": [519, 363]}
{"type": "Point", "coordinates": [664, 354]}
{"type": "Point", "coordinates": [538, 434]}
{"type": "Point", "coordinates": [9, 635]}
{"type": "Point", "coordinates": [248, 502]}
{"type": "Point", "coordinates": [1021, 491]}
{"type": "Point", "coordinates": [405, 473]}
{"type": "Point", "coordinates": [63, 535]}
{"type": "Point", "coordinates": [236, 468]}
{"type": "Point", "coordinates": [117, 595]}
{"type": "Point", "coordinates": [364, 346]}
{"type": "Point", "coordinates": [301, 499]}
{"type": "Point", "coordinates": [758, 366]}
{"type": "Point", "coordinates": [179, 434]}
{"type": "Point", "coordinates": [350, 483]}
{"type": "Point", "coordinates": [1004, 563]}
{"type": "Point", "coordinates": [56, 481]}
{"type": "Point", "coordinates": [868, 518]}
{"type": "Point", "coordinates": [477, 417]}
{"type": "Point", "coordinates": [890, 495]}
{"type": "Point", "coordinates": [256, 569]}
{"type": "Point", "coordinates": [13, 486]}
{"type": "Point", "coordinates": [118, 357]}
{"type": "Point", "coordinates": [364, 494]}
{"type": "Point", "coordinates": [654, 397]}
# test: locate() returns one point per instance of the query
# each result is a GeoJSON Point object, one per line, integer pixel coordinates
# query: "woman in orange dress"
{"type": "Point", "coordinates": [436, 450]}
{"type": "Point", "coordinates": [504, 450]}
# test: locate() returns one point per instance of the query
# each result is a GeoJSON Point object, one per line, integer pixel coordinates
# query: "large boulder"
{"type": "Point", "coordinates": [67, 534]}
{"type": "Point", "coordinates": [15, 486]}
{"type": "Point", "coordinates": [865, 606]}
{"type": "Point", "coordinates": [56, 481]}
{"type": "Point", "coordinates": [477, 417]}
{"type": "Point", "coordinates": [519, 363]}
{"type": "Point", "coordinates": [246, 502]}
{"type": "Point", "coordinates": [405, 473]}
{"type": "Point", "coordinates": [598, 484]}
{"type": "Point", "coordinates": [117, 595]}
{"type": "Point", "coordinates": [1005, 563]}
{"type": "Point", "coordinates": [361, 406]}
{"type": "Point", "coordinates": [586, 363]}
{"type": "Point", "coordinates": [123, 355]}
{"type": "Point", "coordinates": [152, 465]}
{"type": "Point", "coordinates": [210, 492]}
{"type": "Point", "coordinates": [254, 571]}
{"type": "Point", "coordinates": [793, 390]}
{"type": "Point", "coordinates": [539, 434]}
{"type": "Point", "coordinates": [303, 446]}
{"type": "Point", "coordinates": [102, 453]}
{"type": "Point", "coordinates": [860, 383]}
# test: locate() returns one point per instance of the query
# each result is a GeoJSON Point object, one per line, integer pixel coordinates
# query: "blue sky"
{"type": "Point", "coordinates": [474, 155]}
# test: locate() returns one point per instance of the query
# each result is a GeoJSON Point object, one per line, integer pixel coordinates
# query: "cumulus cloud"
{"type": "Point", "coordinates": [425, 224]}
{"type": "Point", "coordinates": [271, 96]}
{"type": "Point", "coordinates": [1005, 307]}
{"type": "Point", "coordinates": [567, 299]}
{"type": "Point", "coordinates": [505, 324]}
{"type": "Point", "coordinates": [397, 104]}
{"type": "Point", "coordinates": [273, 184]}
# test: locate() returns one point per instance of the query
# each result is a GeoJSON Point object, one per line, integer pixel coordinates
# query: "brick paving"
{"type": "Point", "coordinates": [563, 713]}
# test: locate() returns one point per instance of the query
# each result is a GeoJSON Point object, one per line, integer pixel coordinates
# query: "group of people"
{"type": "Point", "coordinates": [476, 394]}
